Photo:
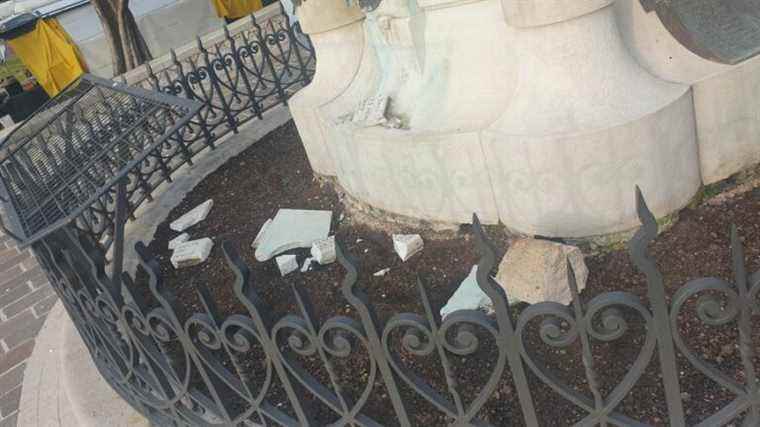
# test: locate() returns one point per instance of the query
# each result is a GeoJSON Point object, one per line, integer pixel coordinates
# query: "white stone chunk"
{"type": "Point", "coordinates": [287, 264]}
{"type": "Point", "coordinates": [307, 265]}
{"type": "Point", "coordinates": [535, 270]}
{"type": "Point", "coordinates": [371, 111]}
{"type": "Point", "coordinates": [382, 272]}
{"type": "Point", "coordinates": [468, 296]}
{"type": "Point", "coordinates": [192, 253]}
{"type": "Point", "coordinates": [175, 242]}
{"type": "Point", "coordinates": [291, 229]}
{"type": "Point", "coordinates": [198, 214]}
{"type": "Point", "coordinates": [323, 250]}
{"type": "Point", "coordinates": [406, 245]}
{"type": "Point", "coordinates": [261, 233]}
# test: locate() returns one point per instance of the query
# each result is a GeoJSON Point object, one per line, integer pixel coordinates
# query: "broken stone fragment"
{"type": "Point", "coordinates": [406, 245]}
{"type": "Point", "coordinates": [261, 233]}
{"type": "Point", "coordinates": [323, 251]}
{"type": "Point", "coordinates": [198, 214]}
{"type": "Point", "coordinates": [307, 265]}
{"type": "Point", "coordinates": [468, 296]}
{"type": "Point", "coordinates": [535, 270]}
{"type": "Point", "coordinates": [382, 272]}
{"type": "Point", "coordinates": [291, 229]}
{"type": "Point", "coordinates": [192, 253]}
{"type": "Point", "coordinates": [287, 264]}
{"type": "Point", "coordinates": [371, 111]}
{"type": "Point", "coordinates": [175, 242]}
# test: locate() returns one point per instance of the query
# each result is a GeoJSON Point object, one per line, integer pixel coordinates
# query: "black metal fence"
{"type": "Point", "coordinates": [237, 79]}
{"type": "Point", "coordinates": [183, 366]}
{"type": "Point", "coordinates": [178, 366]}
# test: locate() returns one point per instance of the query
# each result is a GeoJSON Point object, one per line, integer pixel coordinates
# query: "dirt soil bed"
{"type": "Point", "coordinates": [274, 173]}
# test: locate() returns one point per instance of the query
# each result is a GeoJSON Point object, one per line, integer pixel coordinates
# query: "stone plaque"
{"type": "Point", "coordinates": [723, 31]}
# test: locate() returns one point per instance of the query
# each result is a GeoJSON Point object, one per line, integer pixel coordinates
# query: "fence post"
{"type": "Point", "coordinates": [656, 292]}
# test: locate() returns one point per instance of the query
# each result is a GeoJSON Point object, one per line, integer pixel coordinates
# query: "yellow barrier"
{"type": "Point", "coordinates": [234, 9]}
{"type": "Point", "coordinates": [50, 55]}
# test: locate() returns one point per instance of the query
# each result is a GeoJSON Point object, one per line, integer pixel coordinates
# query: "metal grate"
{"type": "Point", "coordinates": [78, 147]}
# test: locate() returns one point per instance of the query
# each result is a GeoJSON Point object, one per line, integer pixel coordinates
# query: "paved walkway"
{"type": "Point", "coordinates": [25, 300]}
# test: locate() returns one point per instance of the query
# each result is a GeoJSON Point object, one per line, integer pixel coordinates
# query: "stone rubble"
{"type": "Point", "coordinates": [192, 253]}
{"type": "Point", "coordinates": [307, 265]}
{"type": "Point", "coordinates": [468, 296]}
{"type": "Point", "coordinates": [323, 251]}
{"type": "Point", "coordinates": [287, 264]}
{"type": "Point", "coordinates": [535, 270]}
{"type": "Point", "coordinates": [175, 242]}
{"type": "Point", "coordinates": [291, 229]}
{"type": "Point", "coordinates": [382, 272]}
{"type": "Point", "coordinates": [196, 215]}
{"type": "Point", "coordinates": [407, 245]}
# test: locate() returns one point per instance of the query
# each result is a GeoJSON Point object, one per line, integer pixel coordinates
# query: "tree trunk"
{"type": "Point", "coordinates": [128, 47]}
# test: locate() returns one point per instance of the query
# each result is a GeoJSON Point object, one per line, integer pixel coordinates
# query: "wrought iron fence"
{"type": "Point", "coordinates": [178, 366]}
{"type": "Point", "coordinates": [237, 79]}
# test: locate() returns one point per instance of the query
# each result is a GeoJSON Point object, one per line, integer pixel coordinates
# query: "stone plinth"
{"type": "Point", "coordinates": [727, 113]}
{"type": "Point", "coordinates": [541, 114]}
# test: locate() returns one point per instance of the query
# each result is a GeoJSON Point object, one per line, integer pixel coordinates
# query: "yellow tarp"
{"type": "Point", "coordinates": [50, 55]}
{"type": "Point", "coordinates": [234, 9]}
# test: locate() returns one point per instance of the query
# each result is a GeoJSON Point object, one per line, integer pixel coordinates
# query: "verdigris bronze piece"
{"type": "Point", "coordinates": [722, 31]}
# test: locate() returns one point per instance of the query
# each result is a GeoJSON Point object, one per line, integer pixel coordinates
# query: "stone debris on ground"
{"type": "Point", "coordinates": [292, 229]}
{"type": "Point", "coordinates": [406, 245]}
{"type": "Point", "coordinates": [323, 251]}
{"type": "Point", "coordinates": [307, 265]}
{"type": "Point", "coordinates": [468, 296]}
{"type": "Point", "coordinates": [382, 272]}
{"type": "Point", "coordinates": [260, 234]}
{"type": "Point", "coordinates": [192, 253]}
{"type": "Point", "coordinates": [287, 264]}
{"type": "Point", "coordinates": [196, 215]}
{"type": "Point", "coordinates": [175, 242]}
{"type": "Point", "coordinates": [535, 270]}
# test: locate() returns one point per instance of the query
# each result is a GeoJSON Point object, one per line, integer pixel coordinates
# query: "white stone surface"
{"type": "Point", "coordinates": [407, 245]}
{"type": "Point", "coordinates": [337, 35]}
{"type": "Point", "coordinates": [493, 122]}
{"type": "Point", "coordinates": [532, 13]}
{"type": "Point", "coordinates": [261, 233]}
{"type": "Point", "coordinates": [566, 155]}
{"type": "Point", "coordinates": [728, 121]}
{"type": "Point", "coordinates": [192, 253]}
{"type": "Point", "coordinates": [286, 264]}
{"type": "Point", "coordinates": [535, 271]}
{"type": "Point", "coordinates": [193, 217]}
{"type": "Point", "coordinates": [468, 296]}
{"type": "Point", "coordinates": [175, 242]}
{"type": "Point", "coordinates": [323, 251]}
{"type": "Point", "coordinates": [291, 229]}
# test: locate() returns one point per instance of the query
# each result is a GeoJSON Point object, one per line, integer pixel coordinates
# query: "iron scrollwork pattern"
{"type": "Point", "coordinates": [238, 78]}
{"type": "Point", "coordinates": [214, 368]}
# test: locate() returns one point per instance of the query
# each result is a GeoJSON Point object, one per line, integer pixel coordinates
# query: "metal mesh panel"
{"type": "Point", "coordinates": [78, 146]}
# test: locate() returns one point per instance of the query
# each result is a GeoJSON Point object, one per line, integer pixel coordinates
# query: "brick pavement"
{"type": "Point", "coordinates": [25, 299]}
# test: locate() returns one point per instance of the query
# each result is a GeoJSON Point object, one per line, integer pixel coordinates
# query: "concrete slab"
{"type": "Point", "coordinates": [291, 229]}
